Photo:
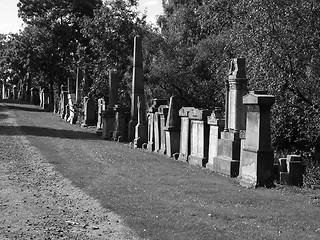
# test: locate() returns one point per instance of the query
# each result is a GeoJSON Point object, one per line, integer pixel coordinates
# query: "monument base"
{"type": "Point", "coordinates": [196, 160]}
{"type": "Point", "coordinates": [225, 166]}
{"type": "Point", "coordinates": [183, 157]}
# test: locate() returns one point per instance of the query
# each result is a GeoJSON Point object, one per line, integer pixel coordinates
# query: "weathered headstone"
{"type": "Point", "coordinates": [199, 135]}
{"type": "Point", "coordinates": [34, 98]}
{"type": "Point", "coordinates": [184, 151]}
{"type": "Point", "coordinates": [101, 107]}
{"type": "Point", "coordinates": [162, 113]}
{"type": "Point", "coordinates": [137, 90]}
{"type": "Point", "coordinates": [216, 123]}
{"type": "Point", "coordinates": [256, 165]}
{"type": "Point", "coordinates": [122, 115]}
{"type": "Point", "coordinates": [89, 113]}
{"type": "Point", "coordinates": [291, 170]}
{"type": "Point", "coordinates": [15, 92]}
{"type": "Point", "coordinates": [152, 126]}
{"type": "Point", "coordinates": [172, 128]}
{"type": "Point", "coordinates": [228, 160]}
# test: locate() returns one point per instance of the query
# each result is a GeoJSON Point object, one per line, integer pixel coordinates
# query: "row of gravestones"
{"type": "Point", "coordinates": [236, 144]}
{"type": "Point", "coordinates": [34, 95]}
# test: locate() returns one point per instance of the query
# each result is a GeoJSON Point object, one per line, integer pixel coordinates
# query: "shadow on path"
{"type": "Point", "coordinates": [23, 106]}
{"type": "Point", "coordinates": [47, 132]}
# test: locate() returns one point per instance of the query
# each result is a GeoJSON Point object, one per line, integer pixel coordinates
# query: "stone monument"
{"type": "Point", "coordinates": [137, 90]}
{"type": "Point", "coordinates": [228, 160]}
{"type": "Point", "coordinates": [257, 163]}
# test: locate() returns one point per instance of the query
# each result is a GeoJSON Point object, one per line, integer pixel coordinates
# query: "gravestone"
{"type": "Point", "coordinates": [101, 107]}
{"type": "Point", "coordinates": [228, 160]}
{"type": "Point", "coordinates": [108, 115]}
{"type": "Point", "coordinates": [199, 137]}
{"type": "Point", "coordinates": [89, 113]}
{"type": "Point", "coordinates": [140, 130]}
{"type": "Point", "coordinates": [257, 161]}
{"type": "Point", "coordinates": [122, 116]}
{"type": "Point", "coordinates": [216, 123]}
{"type": "Point", "coordinates": [172, 128]}
{"type": "Point", "coordinates": [15, 92]}
{"type": "Point", "coordinates": [153, 125]}
{"type": "Point", "coordinates": [184, 149]}
{"type": "Point", "coordinates": [162, 113]}
{"type": "Point", "coordinates": [34, 97]}
{"type": "Point", "coordinates": [137, 90]}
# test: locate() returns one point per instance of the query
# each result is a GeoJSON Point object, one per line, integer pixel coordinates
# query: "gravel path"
{"type": "Point", "coordinates": [37, 202]}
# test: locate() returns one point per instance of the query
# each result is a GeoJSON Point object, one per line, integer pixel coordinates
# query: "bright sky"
{"type": "Point", "coordinates": [9, 21]}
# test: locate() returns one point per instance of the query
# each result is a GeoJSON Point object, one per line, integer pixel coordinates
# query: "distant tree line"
{"type": "Point", "coordinates": [186, 55]}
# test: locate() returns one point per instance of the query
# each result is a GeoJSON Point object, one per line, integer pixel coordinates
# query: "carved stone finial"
{"type": "Point", "coordinates": [237, 68]}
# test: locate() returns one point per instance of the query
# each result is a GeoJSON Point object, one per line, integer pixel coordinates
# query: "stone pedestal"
{"type": "Point", "coordinates": [108, 119]}
{"type": "Point", "coordinates": [89, 114]}
{"type": "Point", "coordinates": [172, 128]}
{"type": "Point", "coordinates": [216, 123]}
{"type": "Point", "coordinates": [121, 123]}
{"type": "Point", "coordinates": [152, 125]}
{"type": "Point", "coordinates": [141, 135]}
{"type": "Point", "coordinates": [199, 135]}
{"type": "Point", "coordinates": [184, 149]}
{"type": "Point", "coordinates": [46, 100]}
{"type": "Point", "coordinates": [162, 113]}
{"type": "Point", "coordinates": [101, 107]}
{"type": "Point", "coordinates": [257, 156]}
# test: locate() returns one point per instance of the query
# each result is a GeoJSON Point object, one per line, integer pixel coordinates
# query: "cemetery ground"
{"type": "Point", "coordinates": [60, 181]}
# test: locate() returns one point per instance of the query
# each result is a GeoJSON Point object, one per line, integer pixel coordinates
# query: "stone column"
{"type": "Point", "coordinates": [151, 123]}
{"type": "Point", "coordinates": [140, 130]}
{"type": "Point", "coordinates": [157, 132]}
{"type": "Point", "coordinates": [137, 89]}
{"type": "Point", "coordinates": [256, 167]}
{"type": "Point", "coordinates": [46, 99]}
{"type": "Point", "coordinates": [4, 90]}
{"type": "Point", "coordinates": [216, 123]}
{"type": "Point", "coordinates": [163, 113]}
{"type": "Point", "coordinates": [101, 107]}
{"type": "Point", "coordinates": [184, 151]}
{"type": "Point", "coordinates": [108, 115]}
{"type": "Point", "coordinates": [172, 128]}
{"type": "Point", "coordinates": [79, 79]}
{"type": "Point", "coordinates": [228, 160]}
{"type": "Point", "coordinates": [199, 135]}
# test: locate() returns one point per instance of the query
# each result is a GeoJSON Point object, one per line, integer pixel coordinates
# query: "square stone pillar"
{"type": "Point", "coordinates": [184, 149]}
{"type": "Point", "coordinates": [163, 113]}
{"type": "Point", "coordinates": [199, 135]}
{"type": "Point", "coordinates": [216, 123]}
{"type": "Point", "coordinates": [108, 119]}
{"type": "Point", "coordinates": [257, 162]}
{"type": "Point", "coordinates": [88, 112]}
{"type": "Point", "coordinates": [63, 101]}
{"type": "Point", "coordinates": [72, 119]}
{"type": "Point", "coordinates": [101, 107]}
{"type": "Point", "coordinates": [157, 132]}
{"type": "Point", "coordinates": [151, 122]}
{"type": "Point", "coordinates": [46, 99]}
{"type": "Point", "coordinates": [122, 117]}
{"type": "Point", "coordinates": [172, 128]}
{"type": "Point", "coordinates": [15, 92]}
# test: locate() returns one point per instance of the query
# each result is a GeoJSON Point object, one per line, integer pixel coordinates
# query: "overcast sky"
{"type": "Point", "coordinates": [9, 21]}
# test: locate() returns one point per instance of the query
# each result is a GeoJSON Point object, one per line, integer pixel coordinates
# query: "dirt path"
{"type": "Point", "coordinates": [36, 202]}
{"type": "Point", "coordinates": [58, 181]}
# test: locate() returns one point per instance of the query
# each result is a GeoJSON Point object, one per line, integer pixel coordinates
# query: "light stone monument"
{"type": "Point", "coordinates": [257, 163]}
{"type": "Point", "coordinates": [101, 107]}
{"type": "Point", "coordinates": [184, 149]}
{"type": "Point", "coordinates": [152, 126]}
{"type": "Point", "coordinates": [163, 114]}
{"type": "Point", "coordinates": [89, 114]}
{"type": "Point", "coordinates": [228, 160]}
{"type": "Point", "coordinates": [199, 137]}
{"type": "Point", "coordinates": [140, 130]}
{"type": "Point", "coordinates": [137, 90]}
{"type": "Point", "coordinates": [216, 123]}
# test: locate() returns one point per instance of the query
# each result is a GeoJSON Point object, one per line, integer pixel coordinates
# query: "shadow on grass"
{"type": "Point", "coordinates": [47, 132]}
{"type": "Point", "coordinates": [22, 106]}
